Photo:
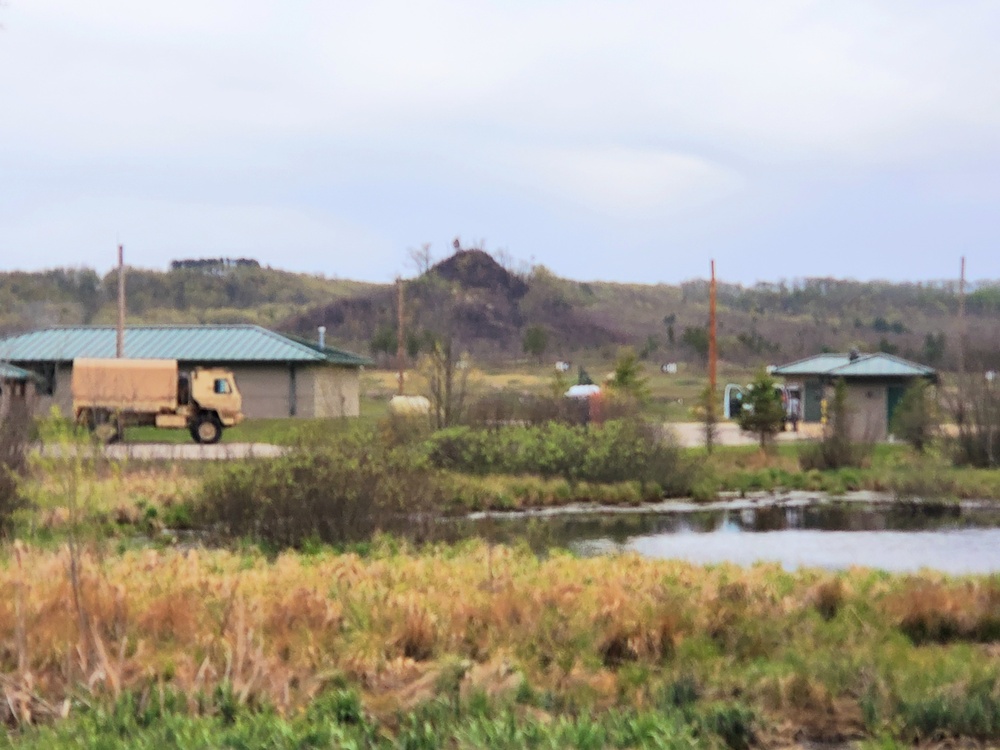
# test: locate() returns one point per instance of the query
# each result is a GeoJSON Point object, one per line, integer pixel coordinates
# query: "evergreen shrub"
{"type": "Point", "coordinates": [616, 451]}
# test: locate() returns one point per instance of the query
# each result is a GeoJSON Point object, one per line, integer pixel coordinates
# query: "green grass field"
{"type": "Point", "coordinates": [672, 398]}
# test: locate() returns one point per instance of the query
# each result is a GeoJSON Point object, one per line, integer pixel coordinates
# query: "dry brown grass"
{"type": "Point", "coordinates": [398, 626]}
{"type": "Point", "coordinates": [940, 611]}
{"type": "Point", "coordinates": [273, 629]}
{"type": "Point", "coordinates": [828, 597]}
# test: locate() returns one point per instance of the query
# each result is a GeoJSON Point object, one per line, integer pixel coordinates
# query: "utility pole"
{"type": "Point", "coordinates": [400, 338]}
{"type": "Point", "coordinates": [961, 321]}
{"type": "Point", "coordinates": [713, 357]}
{"type": "Point", "coordinates": [120, 337]}
{"type": "Point", "coordinates": [712, 351]}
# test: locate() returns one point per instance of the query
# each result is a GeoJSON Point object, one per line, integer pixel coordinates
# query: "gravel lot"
{"type": "Point", "coordinates": [692, 434]}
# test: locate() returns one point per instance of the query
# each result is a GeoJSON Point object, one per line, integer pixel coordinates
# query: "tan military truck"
{"type": "Point", "coordinates": [109, 394]}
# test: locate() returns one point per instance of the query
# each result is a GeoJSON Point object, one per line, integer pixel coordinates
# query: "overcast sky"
{"type": "Point", "coordinates": [627, 140]}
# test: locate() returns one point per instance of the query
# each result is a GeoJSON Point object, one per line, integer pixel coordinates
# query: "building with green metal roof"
{"type": "Point", "coordinates": [14, 383]}
{"type": "Point", "coordinates": [11, 374]}
{"type": "Point", "coordinates": [875, 384]}
{"type": "Point", "coordinates": [279, 376]}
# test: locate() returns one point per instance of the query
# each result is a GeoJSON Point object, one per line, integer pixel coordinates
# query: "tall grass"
{"type": "Point", "coordinates": [732, 654]}
{"type": "Point", "coordinates": [137, 722]}
{"type": "Point", "coordinates": [938, 612]}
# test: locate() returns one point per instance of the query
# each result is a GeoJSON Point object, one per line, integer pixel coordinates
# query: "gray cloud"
{"type": "Point", "coordinates": [822, 138]}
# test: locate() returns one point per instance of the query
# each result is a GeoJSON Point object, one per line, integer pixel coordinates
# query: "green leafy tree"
{"type": "Point", "coordinates": [765, 415]}
{"type": "Point", "coordinates": [651, 345]}
{"type": "Point", "coordinates": [415, 343]}
{"type": "Point", "coordinates": [934, 348]}
{"type": "Point", "coordinates": [384, 341]}
{"type": "Point", "coordinates": [558, 385]}
{"type": "Point", "coordinates": [916, 418]}
{"type": "Point", "coordinates": [535, 341]}
{"type": "Point", "coordinates": [696, 339]}
{"type": "Point", "coordinates": [628, 377]}
{"type": "Point", "coordinates": [887, 347]}
{"type": "Point", "coordinates": [668, 321]}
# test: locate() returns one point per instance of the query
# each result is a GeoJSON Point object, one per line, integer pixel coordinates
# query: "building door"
{"type": "Point", "coordinates": [894, 394]}
{"type": "Point", "coordinates": [812, 409]}
{"type": "Point", "coordinates": [732, 401]}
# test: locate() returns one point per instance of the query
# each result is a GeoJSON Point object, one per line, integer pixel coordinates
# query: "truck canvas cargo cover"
{"type": "Point", "coordinates": [143, 385]}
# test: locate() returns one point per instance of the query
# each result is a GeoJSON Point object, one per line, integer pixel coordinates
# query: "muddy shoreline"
{"type": "Point", "coordinates": [730, 501]}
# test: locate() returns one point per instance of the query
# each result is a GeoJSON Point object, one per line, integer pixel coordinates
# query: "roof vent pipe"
{"type": "Point", "coordinates": [322, 337]}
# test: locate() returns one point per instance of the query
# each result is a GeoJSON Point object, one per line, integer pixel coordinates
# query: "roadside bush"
{"type": "Point", "coordinates": [512, 408]}
{"type": "Point", "coordinates": [405, 429]}
{"type": "Point", "coordinates": [332, 492]}
{"type": "Point", "coordinates": [15, 430]}
{"type": "Point", "coordinates": [508, 407]}
{"type": "Point", "coordinates": [931, 477]}
{"type": "Point", "coordinates": [617, 451]}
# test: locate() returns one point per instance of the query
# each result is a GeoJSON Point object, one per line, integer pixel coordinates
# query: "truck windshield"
{"type": "Point", "coordinates": [222, 386]}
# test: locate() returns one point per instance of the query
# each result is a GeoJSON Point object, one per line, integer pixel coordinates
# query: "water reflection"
{"type": "Point", "coordinates": [832, 535]}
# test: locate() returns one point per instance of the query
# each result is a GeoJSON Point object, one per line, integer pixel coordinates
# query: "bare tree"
{"type": "Point", "coordinates": [421, 258]}
{"type": "Point", "coordinates": [447, 382]}
{"type": "Point", "coordinates": [976, 409]}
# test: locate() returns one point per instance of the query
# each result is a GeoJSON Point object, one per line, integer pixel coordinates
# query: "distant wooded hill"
{"type": "Point", "coordinates": [496, 313]}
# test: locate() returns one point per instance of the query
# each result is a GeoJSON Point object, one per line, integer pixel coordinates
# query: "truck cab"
{"type": "Point", "coordinates": [215, 402]}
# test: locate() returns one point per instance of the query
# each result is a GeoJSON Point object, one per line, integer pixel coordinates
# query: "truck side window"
{"type": "Point", "coordinates": [183, 389]}
{"type": "Point", "coordinates": [222, 386]}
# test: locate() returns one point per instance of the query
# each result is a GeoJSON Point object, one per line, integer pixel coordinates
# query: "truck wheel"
{"type": "Point", "coordinates": [85, 419]}
{"type": "Point", "coordinates": [107, 433]}
{"type": "Point", "coordinates": [207, 430]}
{"type": "Point", "coordinates": [103, 425]}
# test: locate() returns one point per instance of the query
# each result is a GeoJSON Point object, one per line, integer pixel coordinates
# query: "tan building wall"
{"type": "Point", "coordinates": [867, 409]}
{"type": "Point", "coordinates": [327, 391]}
{"type": "Point", "coordinates": [313, 391]}
{"type": "Point", "coordinates": [61, 396]}
{"type": "Point", "coordinates": [265, 389]}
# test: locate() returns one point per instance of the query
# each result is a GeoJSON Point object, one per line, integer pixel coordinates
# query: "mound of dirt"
{"type": "Point", "coordinates": [476, 269]}
{"type": "Point", "coordinates": [468, 297]}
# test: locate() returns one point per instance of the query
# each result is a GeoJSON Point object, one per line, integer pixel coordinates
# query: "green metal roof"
{"type": "Point", "coordinates": [877, 365]}
{"type": "Point", "coordinates": [336, 356]}
{"type": "Point", "coordinates": [9, 372]}
{"type": "Point", "coordinates": [187, 343]}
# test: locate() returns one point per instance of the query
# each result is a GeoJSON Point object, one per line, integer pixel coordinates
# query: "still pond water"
{"type": "Point", "coordinates": [823, 534]}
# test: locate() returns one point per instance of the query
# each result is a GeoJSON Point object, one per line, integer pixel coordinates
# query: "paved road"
{"type": "Point", "coordinates": [193, 451]}
{"type": "Point", "coordinates": [692, 434]}
{"type": "Point", "coordinates": [184, 452]}
{"type": "Point", "coordinates": [689, 435]}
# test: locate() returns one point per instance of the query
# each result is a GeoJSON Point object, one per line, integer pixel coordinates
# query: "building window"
{"type": "Point", "coordinates": [47, 386]}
